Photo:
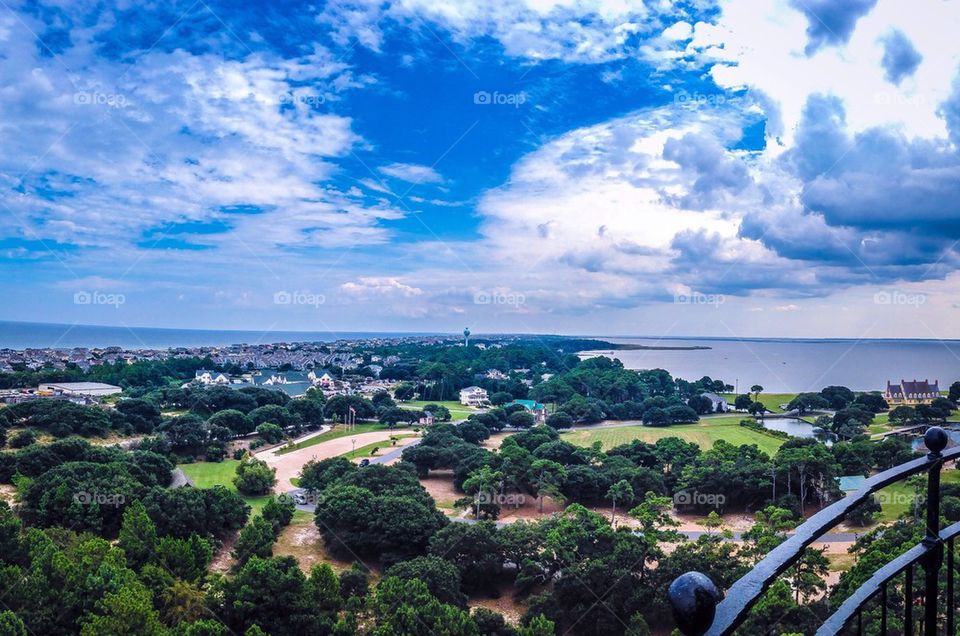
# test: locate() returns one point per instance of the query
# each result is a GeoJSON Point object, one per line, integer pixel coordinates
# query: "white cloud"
{"type": "Point", "coordinates": [412, 173]}
{"type": "Point", "coordinates": [367, 287]}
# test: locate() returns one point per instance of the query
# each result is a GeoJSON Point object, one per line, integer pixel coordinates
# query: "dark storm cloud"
{"type": "Point", "coordinates": [831, 22]}
{"type": "Point", "coordinates": [900, 57]}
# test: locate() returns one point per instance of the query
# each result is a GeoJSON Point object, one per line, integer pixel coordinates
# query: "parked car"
{"type": "Point", "coordinates": [364, 462]}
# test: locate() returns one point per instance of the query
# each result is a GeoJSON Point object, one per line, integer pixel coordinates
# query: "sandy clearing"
{"type": "Point", "coordinates": [288, 466]}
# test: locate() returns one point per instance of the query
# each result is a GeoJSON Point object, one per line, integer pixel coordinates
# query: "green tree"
{"type": "Point", "coordinates": [185, 558]}
{"type": "Point", "coordinates": [254, 476]}
{"type": "Point", "coordinates": [439, 575]}
{"type": "Point", "coordinates": [138, 535]}
{"type": "Point", "coordinates": [129, 610]}
{"type": "Point", "coordinates": [11, 624]}
{"type": "Point", "coordinates": [548, 478]}
{"type": "Point", "coordinates": [271, 433]}
{"type": "Point", "coordinates": [256, 540]}
{"type": "Point", "coordinates": [621, 491]}
{"type": "Point", "coordinates": [483, 485]}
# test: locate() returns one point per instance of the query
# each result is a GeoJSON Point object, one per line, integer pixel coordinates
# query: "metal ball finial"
{"type": "Point", "coordinates": [935, 439]}
{"type": "Point", "coordinates": [693, 598]}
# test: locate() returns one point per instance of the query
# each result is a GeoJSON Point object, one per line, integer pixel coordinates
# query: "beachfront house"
{"type": "Point", "coordinates": [915, 392]}
{"type": "Point", "coordinates": [473, 396]}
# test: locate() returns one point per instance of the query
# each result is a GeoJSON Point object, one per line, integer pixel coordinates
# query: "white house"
{"type": "Point", "coordinates": [325, 380]}
{"type": "Point", "coordinates": [473, 396]}
{"type": "Point", "coordinates": [203, 376]}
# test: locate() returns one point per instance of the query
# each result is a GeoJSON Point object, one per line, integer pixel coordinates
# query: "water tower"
{"type": "Point", "coordinates": [466, 336]}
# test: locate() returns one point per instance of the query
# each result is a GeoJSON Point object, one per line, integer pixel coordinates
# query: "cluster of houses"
{"type": "Point", "coordinates": [298, 355]}
{"type": "Point", "coordinates": [294, 383]}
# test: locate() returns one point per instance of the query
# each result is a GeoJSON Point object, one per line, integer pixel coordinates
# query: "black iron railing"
{"type": "Point", "coordinates": [698, 609]}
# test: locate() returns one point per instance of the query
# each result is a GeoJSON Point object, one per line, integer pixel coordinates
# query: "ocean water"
{"type": "Point", "coordinates": [22, 335]}
{"type": "Point", "coordinates": [787, 365]}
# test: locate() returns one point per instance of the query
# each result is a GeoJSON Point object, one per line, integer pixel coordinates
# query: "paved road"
{"type": "Point", "coordinates": [394, 454]}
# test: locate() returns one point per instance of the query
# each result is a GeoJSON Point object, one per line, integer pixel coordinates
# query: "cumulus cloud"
{"type": "Point", "coordinates": [831, 22]}
{"type": "Point", "coordinates": [900, 57]}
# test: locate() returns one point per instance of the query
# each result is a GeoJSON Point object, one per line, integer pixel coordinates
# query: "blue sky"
{"type": "Point", "coordinates": [575, 166]}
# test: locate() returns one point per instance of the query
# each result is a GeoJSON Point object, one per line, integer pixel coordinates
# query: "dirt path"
{"type": "Point", "coordinates": [288, 465]}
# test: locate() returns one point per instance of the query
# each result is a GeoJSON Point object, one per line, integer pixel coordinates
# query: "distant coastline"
{"type": "Point", "coordinates": [639, 347]}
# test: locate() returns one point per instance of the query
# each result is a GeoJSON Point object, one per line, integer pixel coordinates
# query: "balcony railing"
{"type": "Point", "coordinates": [699, 610]}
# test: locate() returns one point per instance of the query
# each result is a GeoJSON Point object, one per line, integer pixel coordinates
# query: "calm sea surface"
{"type": "Point", "coordinates": [785, 365]}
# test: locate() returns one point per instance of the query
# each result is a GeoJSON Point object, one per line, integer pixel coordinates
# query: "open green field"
{"type": "Point", "coordinates": [338, 430]}
{"type": "Point", "coordinates": [457, 411]}
{"type": "Point", "coordinates": [209, 474]}
{"type": "Point", "coordinates": [770, 400]}
{"type": "Point", "coordinates": [704, 433]}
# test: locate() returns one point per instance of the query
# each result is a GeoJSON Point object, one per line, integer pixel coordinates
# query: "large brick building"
{"type": "Point", "coordinates": [915, 392]}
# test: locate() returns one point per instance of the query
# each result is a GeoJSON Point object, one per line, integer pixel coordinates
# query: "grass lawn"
{"type": "Point", "coordinates": [704, 433]}
{"type": "Point", "coordinates": [365, 451]}
{"type": "Point", "coordinates": [209, 474]}
{"type": "Point", "coordinates": [457, 411]}
{"type": "Point", "coordinates": [337, 431]}
{"type": "Point", "coordinates": [770, 400]}
{"type": "Point", "coordinates": [897, 498]}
